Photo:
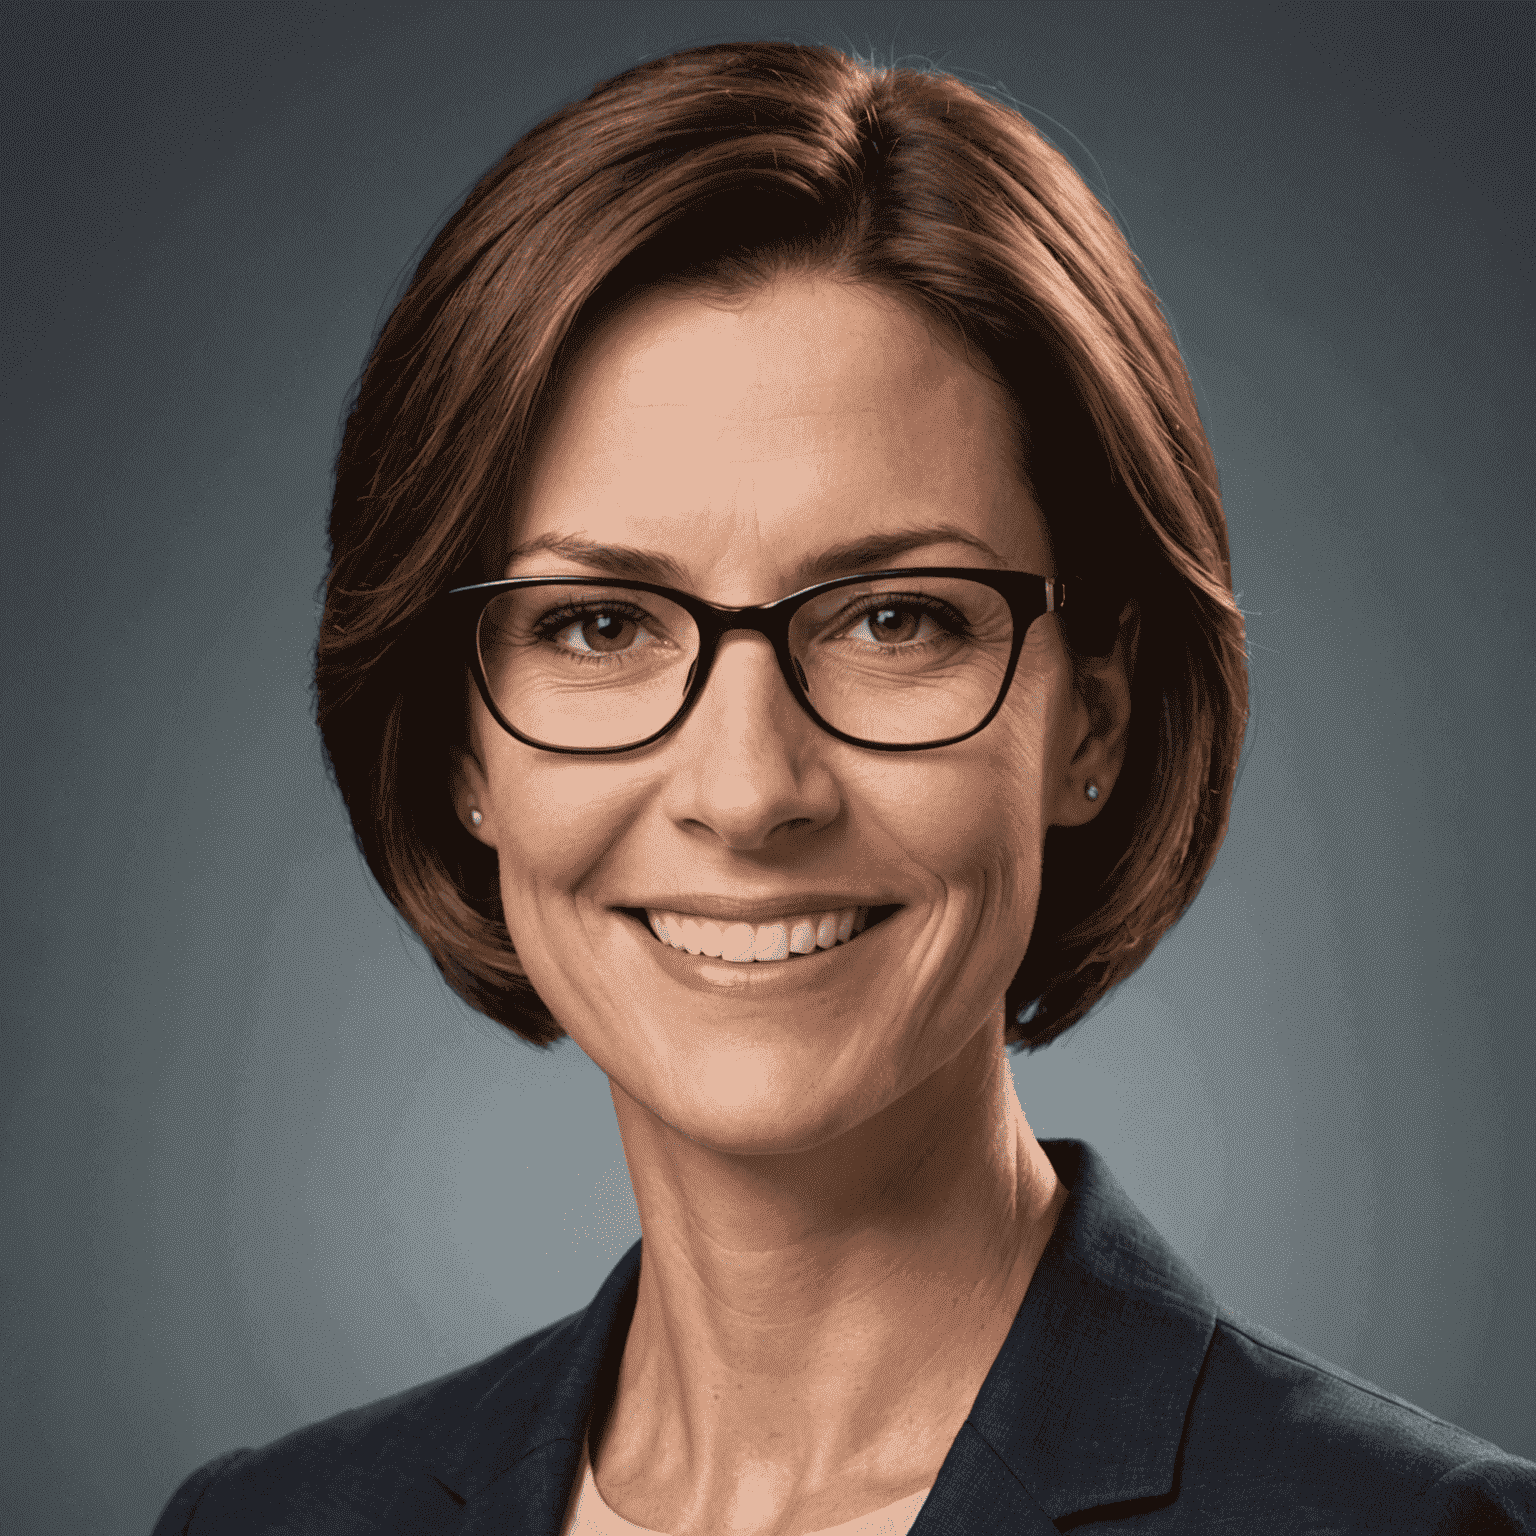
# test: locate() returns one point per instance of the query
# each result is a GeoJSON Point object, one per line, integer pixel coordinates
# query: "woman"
{"type": "Point", "coordinates": [780, 632]}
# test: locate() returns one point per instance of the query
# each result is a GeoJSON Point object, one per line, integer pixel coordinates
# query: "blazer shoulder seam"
{"type": "Point", "coordinates": [1338, 1374]}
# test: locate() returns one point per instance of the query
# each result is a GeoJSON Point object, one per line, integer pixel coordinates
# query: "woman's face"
{"type": "Point", "coordinates": [737, 445]}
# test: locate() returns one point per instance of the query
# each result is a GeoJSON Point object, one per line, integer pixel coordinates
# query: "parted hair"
{"type": "Point", "coordinates": [727, 165]}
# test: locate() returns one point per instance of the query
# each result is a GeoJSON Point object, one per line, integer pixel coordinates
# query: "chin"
{"type": "Point", "coordinates": [746, 1103]}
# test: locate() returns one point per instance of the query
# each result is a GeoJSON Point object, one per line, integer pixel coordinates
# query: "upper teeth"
{"type": "Point", "coordinates": [774, 940]}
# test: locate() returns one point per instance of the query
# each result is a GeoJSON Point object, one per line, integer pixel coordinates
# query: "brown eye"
{"type": "Point", "coordinates": [607, 631]}
{"type": "Point", "coordinates": [599, 632]}
{"type": "Point", "coordinates": [893, 623]}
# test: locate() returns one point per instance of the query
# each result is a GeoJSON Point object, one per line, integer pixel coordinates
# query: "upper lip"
{"type": "Point", "coordinates": [739, 909]}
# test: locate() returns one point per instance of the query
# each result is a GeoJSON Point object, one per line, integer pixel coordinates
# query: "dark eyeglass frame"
{"type": "Point", "coordinates": [1028, 597]}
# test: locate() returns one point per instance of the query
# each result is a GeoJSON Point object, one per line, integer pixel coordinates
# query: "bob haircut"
{"type": "Point", "coordinates": [719, 168]}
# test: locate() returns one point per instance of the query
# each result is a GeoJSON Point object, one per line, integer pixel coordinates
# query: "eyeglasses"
{"type": "Point", "coordinates": [896, 661]}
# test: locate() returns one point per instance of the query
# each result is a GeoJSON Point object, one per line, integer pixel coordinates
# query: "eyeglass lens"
{"type": "Point", "coordinates": [900, 660]}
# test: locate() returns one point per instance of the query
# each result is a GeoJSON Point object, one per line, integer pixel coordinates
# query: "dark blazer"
{"type": "Point", "coordinates": [1123, 1394]}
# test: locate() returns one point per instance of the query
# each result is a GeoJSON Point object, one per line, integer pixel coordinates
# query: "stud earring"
{"type": "Point", "coordinates": [476, 817]}
{"type": "Point", "coordinates": [1092, 791]}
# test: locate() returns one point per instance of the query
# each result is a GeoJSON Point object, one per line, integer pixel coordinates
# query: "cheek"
{"type": "Point", "coordinates": [1020, 761]}
{"type": "Point", "coordinates": [973, 816]}
{"type": "Point", "coordinates": [556, 819]}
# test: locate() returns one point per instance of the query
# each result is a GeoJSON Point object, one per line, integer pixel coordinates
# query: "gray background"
{"type": "Point", "coordinates": [259, 1166]}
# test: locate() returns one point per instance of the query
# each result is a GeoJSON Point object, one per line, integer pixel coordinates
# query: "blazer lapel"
{"type": "Point", "coordinates": [977, 1491]}
{"type": "Point", "coordinates": [1085, 1405]}
{"type": "Point", "coordinates": [525, 1445]}
{"type": "Point", "coordinates": [530, 1497]}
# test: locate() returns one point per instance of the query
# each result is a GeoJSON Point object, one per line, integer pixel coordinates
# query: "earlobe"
{"type": "Point", "coordinates": [471, 799]}
{"type": "Point", "coordinates": [1101, 717]}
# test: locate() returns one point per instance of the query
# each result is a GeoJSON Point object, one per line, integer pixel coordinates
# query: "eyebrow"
{"type": "Point", "coordinates": [612, 559]}
{"type": "Point", "coordinates": [871, 553]}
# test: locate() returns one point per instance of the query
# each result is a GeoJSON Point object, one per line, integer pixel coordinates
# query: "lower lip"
{"type": "Point", "coordinates": [703, 973]}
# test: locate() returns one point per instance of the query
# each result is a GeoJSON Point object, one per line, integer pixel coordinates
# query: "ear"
{"type": "Point", "coordinates": [1097, 726]}
{"type": "Point", "coordinates": [471, 794]}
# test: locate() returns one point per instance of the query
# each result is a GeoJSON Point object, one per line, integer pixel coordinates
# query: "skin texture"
{"type": "Point", "coordinates": [841, 1201]}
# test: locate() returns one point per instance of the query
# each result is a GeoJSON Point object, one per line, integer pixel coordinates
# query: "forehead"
{"type": "Point", "coordinates": [738, 436]}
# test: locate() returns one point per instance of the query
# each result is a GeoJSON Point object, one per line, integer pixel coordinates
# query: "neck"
{"type": "Point", "coordinates": [815, 1325]}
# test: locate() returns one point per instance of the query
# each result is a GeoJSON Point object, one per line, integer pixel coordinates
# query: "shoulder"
{"type": "Point", "coordinates": [1125, 1392]}
{"type": "Point", "coordinates": [379, 1465]}
{"type": "Point", "coordinates": [1281, 1431]}
{"type": "Point", "coordinates": [507, 1428]}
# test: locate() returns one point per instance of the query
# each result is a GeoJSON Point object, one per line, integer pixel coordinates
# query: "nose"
{"type": "Point", "coordinates": [750, 765]}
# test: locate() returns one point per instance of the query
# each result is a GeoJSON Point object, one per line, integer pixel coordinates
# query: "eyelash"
{"type": "Point", "coordinates": [552, 624]}
{"type": "Point", "coordinates": [563, 618]}
{"type": "Point", "coordinates": [940, 612]}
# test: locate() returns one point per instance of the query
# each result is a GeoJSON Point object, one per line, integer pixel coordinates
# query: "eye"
{"type": "Point", "coordinates": [597, 631]}
{"type": "Point", "coordinates": [897, 623]}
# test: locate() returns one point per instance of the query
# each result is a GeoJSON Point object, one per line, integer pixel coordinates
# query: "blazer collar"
{"type": "Point", "coordinates": [1084, 1406]}
{"type": "Point", "coordinates": [522, 1438]}
{"type": "Point", "coordinates": [1086, 1402]}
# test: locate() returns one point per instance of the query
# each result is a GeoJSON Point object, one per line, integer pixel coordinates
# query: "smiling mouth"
{"type": "Point", "coordinates": [780, 939]}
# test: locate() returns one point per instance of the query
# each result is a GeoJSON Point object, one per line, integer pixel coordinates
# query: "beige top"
{"type": "Point", "coordinates": [588, 1515]}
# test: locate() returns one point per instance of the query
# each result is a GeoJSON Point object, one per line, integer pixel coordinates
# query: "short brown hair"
{"type": "Point", "coordinates": [727, 164]}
